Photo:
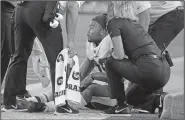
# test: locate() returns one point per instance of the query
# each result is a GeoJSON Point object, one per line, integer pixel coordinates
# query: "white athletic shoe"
{"type": "Point", "coordinates": [171, 106]}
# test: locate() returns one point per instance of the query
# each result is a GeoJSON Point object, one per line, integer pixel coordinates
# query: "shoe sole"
{"type": "Point", "coordinates": [173, 107]}
{"type": "Point", "coordinates": [139, 111]}
{"type": "Point", "coordinates": [178, 106]}
{"type": "Point", "coordinates": [125, 115]}
{"type": "Point", "coordinates": [117, 115]}
{"type": "Point", "coordinates": [57, 113]}
{"type": "Point", "coordinates": [167, 107]}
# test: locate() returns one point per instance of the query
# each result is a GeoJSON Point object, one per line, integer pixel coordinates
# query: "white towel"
{"type": "Point", "coordinates": [69, 91]}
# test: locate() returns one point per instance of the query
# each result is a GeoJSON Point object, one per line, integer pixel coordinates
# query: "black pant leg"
{"type": "Point", "coordinates": [7, 38]}
{"type": "Point", "coordinates": [116, 85]}
{"type": "Point", "coordinates": [15, 83]}
{"type": "Point", "coordinates": [53, 45]}
{"type": "Point", "coordinates": [167, 27]}
{"type": "Point", "coordinates": [51, 38]}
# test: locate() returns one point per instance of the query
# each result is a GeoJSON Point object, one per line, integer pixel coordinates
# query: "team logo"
{"type": "Point", "coordinates": [60, 81]}
{"type": "Point", "coordinates": [76, 75]}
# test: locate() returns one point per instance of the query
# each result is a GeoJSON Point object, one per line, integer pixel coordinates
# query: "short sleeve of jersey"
{"type": "Point", "coordinates": [141, 6]}
{"type": "Point", "coordinates": [113, 28]}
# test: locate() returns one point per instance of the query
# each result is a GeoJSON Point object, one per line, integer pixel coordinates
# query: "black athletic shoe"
{"type": "Point", "coordinates": [124, 109]}
{"type": "Point", "coordinates": [165, 106]}
{"type": "Point", "coordinates": [36, 106]}
{"type": "Point", "coordinates": [66, 109]}
{"type": "Point", "coordinates": [4, 108]}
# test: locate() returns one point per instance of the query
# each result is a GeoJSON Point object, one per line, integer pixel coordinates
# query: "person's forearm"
{"type": "Point", "coordinates": [86, 67]}
{"type": "Point", "coordinates": [100, 76]}
{"type": "Point", "coordinates": [118, 52]}
{"type": "Point", "coordinates": [144, 19]}
{"type": "Point", "coordinates": [71, 20]}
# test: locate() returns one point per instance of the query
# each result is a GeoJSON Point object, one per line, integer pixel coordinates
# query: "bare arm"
{"type": "Point", "coordinates": [143, 13]}
{"type": "Point", "coordinates": [144, 19]}
{"type": "Point", "coordinates": [114, 31]}
{"type": "Point", "coordinates": [118, 52]}
{"type": "Point", "coordinates": [71, 22]}
{"type": "Point", "coordinates": [86, 67]}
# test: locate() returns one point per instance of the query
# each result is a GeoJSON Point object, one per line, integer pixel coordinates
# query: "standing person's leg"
{"type": "Point", "coordinates": [167, 27]}
{"type": "Point", "coordinates": [52, 44]}
{"type": "Point", "coordinates": [51, 38]}
{"type": "Point", "coordinates": [15, 83]}
{"type": "Point", "coordinates": [6, 40]}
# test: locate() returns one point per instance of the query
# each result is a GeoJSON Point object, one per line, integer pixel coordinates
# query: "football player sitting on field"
{"type": "Point", "coordinates": [98, 47]}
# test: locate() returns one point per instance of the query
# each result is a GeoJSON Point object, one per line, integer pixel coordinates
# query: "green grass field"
{"type": "Point", "coordinates": [175, 85]}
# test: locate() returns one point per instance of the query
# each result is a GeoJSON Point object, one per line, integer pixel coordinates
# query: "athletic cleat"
{"type": "Point", "coordinates": [36, 106]}
{"type": "Point", "coordinates": [5, 108]}
{"type": "Point", "coordinates": [118, 110]}
{"type": "Point", "coordinates": [66, 109]}
{"type": "Point", "coordinates": [165, 106]}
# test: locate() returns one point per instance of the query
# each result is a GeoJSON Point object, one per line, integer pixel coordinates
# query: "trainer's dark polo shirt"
{"type": "Point", "coordinates": [136, 40]}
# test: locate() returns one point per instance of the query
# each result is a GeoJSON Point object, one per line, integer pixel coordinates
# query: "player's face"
{"type": "Point", "coordinates": [94, 32]}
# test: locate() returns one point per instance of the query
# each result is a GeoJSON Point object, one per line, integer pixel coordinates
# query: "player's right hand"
{"type": "Point", "coordinates": [49, 14]}
{"type": "Point", "coordinates": [48, 18]}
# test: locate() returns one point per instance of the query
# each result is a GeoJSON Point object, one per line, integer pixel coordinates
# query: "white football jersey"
{"type": "Point", "coordinates": [103, 50]}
